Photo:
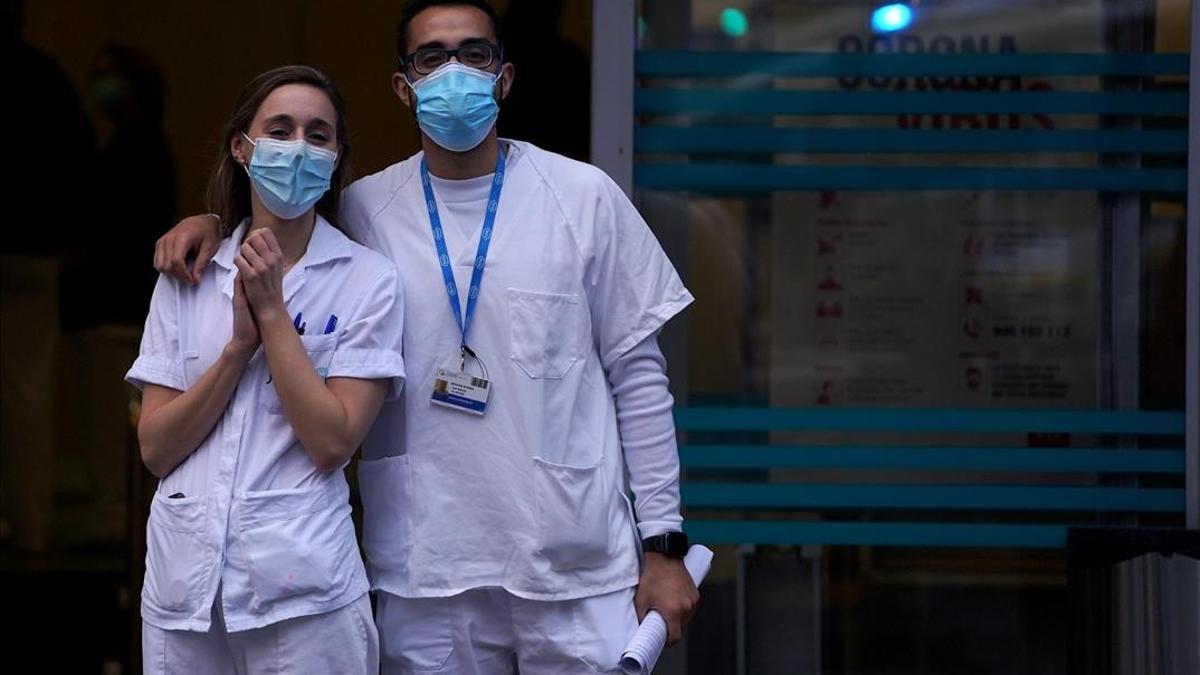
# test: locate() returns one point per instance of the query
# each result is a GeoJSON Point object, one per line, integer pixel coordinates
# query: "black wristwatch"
{"type": "Point", "coordinates": [670, 544]}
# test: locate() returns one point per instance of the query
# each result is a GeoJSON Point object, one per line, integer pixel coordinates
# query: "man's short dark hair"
{"type": "Point", "coordinates": [415, 7]}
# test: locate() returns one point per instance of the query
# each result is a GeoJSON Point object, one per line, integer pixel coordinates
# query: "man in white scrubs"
{"type": "Point", "coordinates": [497, 528]}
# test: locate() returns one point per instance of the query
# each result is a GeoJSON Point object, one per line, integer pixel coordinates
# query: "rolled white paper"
{"type": "Point", "coordinates": [648, 641]}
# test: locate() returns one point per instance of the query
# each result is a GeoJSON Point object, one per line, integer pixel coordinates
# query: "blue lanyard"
{"type": "Point", "coordinates": [485, 240]}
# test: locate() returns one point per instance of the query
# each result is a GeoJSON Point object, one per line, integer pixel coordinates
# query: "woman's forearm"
{"type": "Point", "coordinates": [173, 425]}
{"type": "Point", "coordinates": [327, 429]}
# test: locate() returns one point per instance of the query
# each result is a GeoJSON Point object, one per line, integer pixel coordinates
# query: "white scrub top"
{"type": "Point", "coordinates": [256, 517]}
{"type": "Point", "coordinates": [530, 497]}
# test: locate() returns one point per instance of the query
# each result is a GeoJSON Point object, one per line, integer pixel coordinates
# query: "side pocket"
{"type": "Point", "coordinates": [309, 550]}
{"type": "Point", "coordinates": [604, 625]}
{"type": "Point", "coordinates": [574, 508]}
{"type": "Point", "coordinates": [386, 488]}
{"type": "Point", "coordinates": [416, 635]}
{"type": "Point", "coordinates": [320, 351]}
{"type": "Point", "coordinates": [175, 553]}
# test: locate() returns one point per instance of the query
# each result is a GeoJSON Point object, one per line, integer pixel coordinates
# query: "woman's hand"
{"type": "Point", "coordinates": [245, 332]}
{"type": "Point", "coordinates": [260, 270]}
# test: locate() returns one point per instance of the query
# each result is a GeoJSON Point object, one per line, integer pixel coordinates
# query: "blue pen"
{"type": "Point", "coordinates": [298, 323]}
{"type": "Point", "coordinates": [331, 324]}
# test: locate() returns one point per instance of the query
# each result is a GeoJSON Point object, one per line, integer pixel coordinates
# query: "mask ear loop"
{"type": "Point", "coordinates": [246, 165]}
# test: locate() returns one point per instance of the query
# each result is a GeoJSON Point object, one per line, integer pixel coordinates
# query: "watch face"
{"type": "Point", "coordinates": [677, 544]}
{"type": "Point", "coordinates": [672, 544]}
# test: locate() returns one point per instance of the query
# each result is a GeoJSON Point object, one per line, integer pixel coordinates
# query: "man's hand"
{"type": "Point", "coordinates": [200, 235]}
{"type": "Point", "coordinates": [667, 587]}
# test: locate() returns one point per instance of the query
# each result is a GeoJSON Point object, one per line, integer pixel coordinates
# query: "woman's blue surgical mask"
{"type": "Point", "coordinates": [289, 176]}
{"type": "Point", "coordinates": [456, 106]}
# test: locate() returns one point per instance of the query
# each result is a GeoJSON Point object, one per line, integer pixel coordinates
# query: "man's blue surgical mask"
{"type": "Point", "coordinates": [289, 176]}
{"type": "Point", "coordinates": [455, 105]}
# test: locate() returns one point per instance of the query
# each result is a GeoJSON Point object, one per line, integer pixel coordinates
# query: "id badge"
{"type": "Point", "coordinates": [460, 391]}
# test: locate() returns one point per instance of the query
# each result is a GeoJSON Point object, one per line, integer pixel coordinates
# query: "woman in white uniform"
{"type": "Point", "coordinates": [260, 379]}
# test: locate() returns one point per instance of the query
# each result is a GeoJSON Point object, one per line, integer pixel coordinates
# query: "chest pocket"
{"type": "Point", "coordinates": [320, 350]}
{"type": "Point", "coordinates": [548, 332]}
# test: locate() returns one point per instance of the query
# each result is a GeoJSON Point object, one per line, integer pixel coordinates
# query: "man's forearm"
{"type": "Point", "coordinates": [647, 431]}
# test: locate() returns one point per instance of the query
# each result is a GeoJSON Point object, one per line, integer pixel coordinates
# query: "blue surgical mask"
{"type": "Point", "coordinates": [289, 176]}
{"type": "Point", "coordinates": [455, 105]}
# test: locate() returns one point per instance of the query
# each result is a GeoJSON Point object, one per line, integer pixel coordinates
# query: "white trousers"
{"type": "Point", "coordinates": [343, 641]}
{"type": "Point", "coordinates": [488, 631]}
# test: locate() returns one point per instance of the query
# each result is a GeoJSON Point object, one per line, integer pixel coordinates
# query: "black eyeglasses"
{"type": "Point", "coordinates": [476, 55]}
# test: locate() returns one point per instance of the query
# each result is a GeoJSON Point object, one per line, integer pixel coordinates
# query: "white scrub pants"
{"type": "Point", "coordinates": [343, 641]}
{"type": "Point", "coordinates": [488, 630]}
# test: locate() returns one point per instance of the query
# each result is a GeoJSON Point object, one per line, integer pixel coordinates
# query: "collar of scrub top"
{"type": "Point", "coordinates": [324, 245]}
{"type": "Point", "coordinates": [464, 247]}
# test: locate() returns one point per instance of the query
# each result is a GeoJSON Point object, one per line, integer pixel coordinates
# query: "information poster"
{"type": "Point", "coordinates": [938, 298]}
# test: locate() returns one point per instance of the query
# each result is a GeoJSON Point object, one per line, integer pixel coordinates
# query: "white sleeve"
{"type": "Point", "coordinates": [647, 430]}
{"type": "Point", "coordinates": [632, 287]}
{"type": "Point", "coordinates": [159, 361]}
{"type": "Point", "coordinates": [369, 345]}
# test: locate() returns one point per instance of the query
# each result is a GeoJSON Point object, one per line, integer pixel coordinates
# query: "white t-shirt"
{"type": "Point", "coordinates": [464, 202]}
{"type": "Point", "coordinates": [530, 497]}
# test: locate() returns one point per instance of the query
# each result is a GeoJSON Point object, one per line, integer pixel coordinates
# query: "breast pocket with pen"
{"type": "Point", "coordinates": [320, 349]}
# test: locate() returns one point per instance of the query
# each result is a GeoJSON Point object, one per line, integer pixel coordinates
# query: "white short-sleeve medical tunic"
{"type": "Point", "coordinates": [248, 510]}
{"type": "Point", "coordinates": [530, 496]}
